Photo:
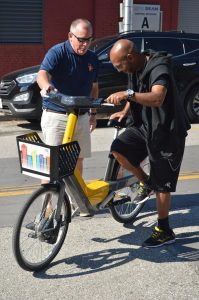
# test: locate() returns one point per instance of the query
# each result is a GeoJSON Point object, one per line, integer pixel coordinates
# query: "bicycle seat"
{"type": "Point", "coordinates": [74, 101]}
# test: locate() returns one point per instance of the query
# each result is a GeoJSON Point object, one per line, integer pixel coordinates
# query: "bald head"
{"type": "Point", "coordinates": [81, 24]}
{"type": "Point", "coordinates": [122, 48]}
{"type": "Point", "coordinates": [125, 56]}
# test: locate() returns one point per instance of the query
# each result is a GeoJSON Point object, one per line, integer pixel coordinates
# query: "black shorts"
{"type": "Point", "coordinates": [164, 171]}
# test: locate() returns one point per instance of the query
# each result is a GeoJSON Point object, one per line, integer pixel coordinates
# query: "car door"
{"type": "Point", "coordinates": [186, 73]}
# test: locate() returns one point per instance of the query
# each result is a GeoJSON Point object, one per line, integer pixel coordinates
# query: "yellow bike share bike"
{"type": "Point", "coordinates": [42, 225]}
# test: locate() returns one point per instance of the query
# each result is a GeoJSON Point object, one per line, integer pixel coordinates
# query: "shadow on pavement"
{"type": "Point", "coordinates": [32, 125]}
{"type": "Point", "coordinates": [186, 248]}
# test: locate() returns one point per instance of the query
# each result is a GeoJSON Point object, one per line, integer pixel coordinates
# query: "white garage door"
{"type": "Point", "coordinates": [188, 17]}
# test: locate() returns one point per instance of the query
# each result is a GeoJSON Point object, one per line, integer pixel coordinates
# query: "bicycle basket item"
{"type": "Point", "coordinates": [46, 162]}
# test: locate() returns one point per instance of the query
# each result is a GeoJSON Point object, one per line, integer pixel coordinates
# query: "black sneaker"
{"type": "Point", "coordinates": [143, 194]}
{"type": "Point", "coordinates": [159, 238]}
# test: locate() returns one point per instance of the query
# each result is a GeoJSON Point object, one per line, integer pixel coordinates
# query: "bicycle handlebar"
{"type": "Point", "coordinates": [76, 101]}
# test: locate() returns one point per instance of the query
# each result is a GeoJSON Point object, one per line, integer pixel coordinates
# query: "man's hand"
{"type": "Point", "coordinates": [118, 115]}
{"type": "Point", "coordinates": [47, 89]}
{"type": "Point", "coordinates": [93, 122]}
{"type": "Point", "coordinates": [116, 98]}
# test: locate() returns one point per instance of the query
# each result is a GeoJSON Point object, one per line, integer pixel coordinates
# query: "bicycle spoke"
{"type": "Point", "coordinates": [38, 236]}
{"type": "Point", "coordinates": [122, 208]}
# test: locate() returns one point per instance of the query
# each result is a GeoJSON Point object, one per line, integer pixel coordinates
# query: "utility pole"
{"type": "Point", "coordinates": [126, 13]}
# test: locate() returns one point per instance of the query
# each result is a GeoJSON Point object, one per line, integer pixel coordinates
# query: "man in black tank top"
{"type": "Point", "coordinates": [158, 131]}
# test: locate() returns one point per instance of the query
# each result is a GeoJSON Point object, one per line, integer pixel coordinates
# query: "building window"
{"type": "Point", "coordinates": [21, 21]}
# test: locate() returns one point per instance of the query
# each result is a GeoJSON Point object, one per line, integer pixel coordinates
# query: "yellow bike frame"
{"type": "Point", "coordinates": [97, 190]}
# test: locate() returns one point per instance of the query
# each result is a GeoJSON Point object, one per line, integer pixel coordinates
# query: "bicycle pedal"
{"type": "Point", "coordinates": [32, 235]}
{"type": "Point", "coordinates": [48, 238]}
{"type": "Point", "coordinates": [50, 235]}
{"type": "Point", "coordinates": [52, 240]}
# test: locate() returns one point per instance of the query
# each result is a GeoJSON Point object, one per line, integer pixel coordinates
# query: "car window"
{"type": "Point", "coordinates": [171, 45]}
{"type": "Point", "coordinates": [190, 45]}
{"type": "Point", "coordinates": [98, 43]}
{"type": "Point", "coordinates": [104, 55]}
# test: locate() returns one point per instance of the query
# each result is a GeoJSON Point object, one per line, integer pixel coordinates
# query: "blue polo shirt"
{"type": "Point", "coordinates": [72, 74]}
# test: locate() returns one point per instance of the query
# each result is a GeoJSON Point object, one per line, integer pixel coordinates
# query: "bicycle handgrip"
{"type": "Point", "coordinates": [122, 103]}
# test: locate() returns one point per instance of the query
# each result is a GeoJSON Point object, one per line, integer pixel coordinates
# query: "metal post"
{"type": "Point", "coordinates": [128, 15]}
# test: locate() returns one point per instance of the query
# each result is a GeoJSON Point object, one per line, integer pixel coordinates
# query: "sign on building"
{"type": "Point", "coordinates": [146, 17]}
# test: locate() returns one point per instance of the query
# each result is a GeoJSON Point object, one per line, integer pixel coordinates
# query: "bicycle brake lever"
{"type": "Point", "coordinates": [122, 103]}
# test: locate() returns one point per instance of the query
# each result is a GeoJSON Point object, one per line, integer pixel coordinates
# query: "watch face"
{"type": "Point", "coordinates": [130, 93]}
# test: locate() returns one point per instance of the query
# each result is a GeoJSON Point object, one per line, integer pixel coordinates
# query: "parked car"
{"type": "Point", "coordinates": [20, 95]}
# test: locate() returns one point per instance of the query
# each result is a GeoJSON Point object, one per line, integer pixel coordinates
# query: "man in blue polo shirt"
{"type": "Point", "coordinates": [72, 69]}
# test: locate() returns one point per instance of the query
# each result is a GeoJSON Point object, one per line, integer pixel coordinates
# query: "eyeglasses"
{"type": "Point", "coordinates": [83, 40]}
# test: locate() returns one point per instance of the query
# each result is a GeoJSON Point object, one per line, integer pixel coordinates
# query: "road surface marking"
{"type": "Point", "coordinates": [28, 190]}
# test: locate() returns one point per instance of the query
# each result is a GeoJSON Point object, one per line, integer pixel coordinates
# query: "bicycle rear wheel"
{"type": "Point", "coordinates": [122, 207]}
{"type": "Point", "coordinates": [39, 234]}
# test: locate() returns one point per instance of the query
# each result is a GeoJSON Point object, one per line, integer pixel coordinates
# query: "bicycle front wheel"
{"type": "Point", "coordinates": [39, 232]}
{"type": "Point", "coordinates": [122, 207]}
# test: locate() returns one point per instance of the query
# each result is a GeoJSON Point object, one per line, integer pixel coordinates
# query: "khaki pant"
{"type": "Point", "coordinates": [53, 127]}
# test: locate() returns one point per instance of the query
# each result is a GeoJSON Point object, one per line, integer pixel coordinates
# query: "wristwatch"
{"type": "Point", "coordinates": [130, 94]}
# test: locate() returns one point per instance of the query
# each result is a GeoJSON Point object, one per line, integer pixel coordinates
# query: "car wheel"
{"type": "Point", "coordinates": [192, 106]}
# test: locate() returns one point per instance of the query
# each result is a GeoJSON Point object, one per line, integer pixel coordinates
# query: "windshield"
{"type": "Point", "coordinates": [98, 43]}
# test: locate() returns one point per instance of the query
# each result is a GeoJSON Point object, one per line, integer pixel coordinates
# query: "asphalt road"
{"type": "Point", "coordinates": [103, 259]}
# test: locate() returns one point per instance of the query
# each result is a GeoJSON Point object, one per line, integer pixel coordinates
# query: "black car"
{"type": "Point", "coordinates": [20, 94]}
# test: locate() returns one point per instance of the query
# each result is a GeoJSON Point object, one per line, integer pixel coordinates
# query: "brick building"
{"type": "Point", "coordinates": [43, 23]}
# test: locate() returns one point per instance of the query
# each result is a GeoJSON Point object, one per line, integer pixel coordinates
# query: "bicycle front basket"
{"type": "Point", "coordinates": [46, 162]}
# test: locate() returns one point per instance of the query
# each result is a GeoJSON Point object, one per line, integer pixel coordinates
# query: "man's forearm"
{"type": "Point", "coordinates": [126, 108]}
{"type": "Point", "coordinates": [43, 79]}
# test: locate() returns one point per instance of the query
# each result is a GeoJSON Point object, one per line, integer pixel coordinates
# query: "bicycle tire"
{"type": "Point", "coordinates": [32, 252]}
{"type": "Point", "coordinates": [125, 212]}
